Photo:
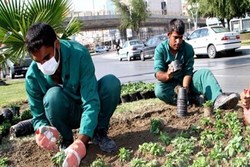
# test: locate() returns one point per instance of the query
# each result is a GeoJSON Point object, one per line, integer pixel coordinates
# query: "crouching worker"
{"type": "Point", "coordinates": [200, 82]}
{"type": "Point", "coordinates": [64, 94]}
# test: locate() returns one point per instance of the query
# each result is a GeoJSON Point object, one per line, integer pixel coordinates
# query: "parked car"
{"type": "Point", "coordinates": [149, 50]}
{"type": "Point", "coordinates": [213, 40]}
{"type": "Point", "coordinates": [131, 49]}
{"type": "Point", "coordinates": [100, 49]}
{"type": "Point", "coordinates": [12, 69]}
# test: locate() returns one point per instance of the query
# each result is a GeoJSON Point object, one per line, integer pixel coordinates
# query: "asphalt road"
{"type": "Point", "coordinates": [232, 72]}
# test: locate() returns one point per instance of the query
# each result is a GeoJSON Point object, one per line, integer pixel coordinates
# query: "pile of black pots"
{"type": "Point", "coordinates": [137, 91]}
{"type": "Point", "coordinates": [11, 122]}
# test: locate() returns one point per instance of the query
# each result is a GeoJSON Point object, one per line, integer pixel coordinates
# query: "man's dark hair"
{"type": "Point", "coordinates": [176, 25]}
{"type": "Point", "coordinates": [38, 35]}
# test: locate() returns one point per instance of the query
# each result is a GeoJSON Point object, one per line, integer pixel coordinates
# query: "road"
{"type": "Point", "coordinates": [232, 73]}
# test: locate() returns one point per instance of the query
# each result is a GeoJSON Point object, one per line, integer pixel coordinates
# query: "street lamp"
{"type": "Point", "coordinates": [193, 8]}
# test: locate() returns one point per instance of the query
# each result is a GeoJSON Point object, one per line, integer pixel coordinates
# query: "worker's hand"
{"type": "Point", "coordinates": [170, 71]}
{"type": "Point", "coordinates": [245, 98]}
{"type": "Point", "coordinates": [46, 137]}
{"type": "Point", "coordinates": [74, 153]}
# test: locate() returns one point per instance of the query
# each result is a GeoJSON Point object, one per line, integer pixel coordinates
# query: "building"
{"type": "Point", "coordinates": [107, 7]}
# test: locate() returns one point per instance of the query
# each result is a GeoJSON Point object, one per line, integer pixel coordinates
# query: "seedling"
{"type": "Point", "coordinates": [4, 162]}
{"type": "Point", "coordinates": [152, 148]}
{"type": "Point", "coordinates": [235, 146]}
{"type": "Point", "coordinates": [200, 162]}
{"type": "Point", "coordinates": [217, 154]}
{"type": "Point", "coordinates": [156, 126]}
{"type": "Point", "coordinates": [165, 138]}
{"type": "Point", "coordinates": [136, 162]}
{"type": "Point", "coordinates": [58, 158]}
{"type": "Point", "coordinates": [4, 127]}
{"type": "Point", "coordinates": [206, 121]}
{"type": "Point", "coordinates": [124, 154]}
{"type": "Point", "coordinates": [26, 114]}
{"type": "Point", "coordinates": [240, 161]}
{"type": "Point", "coordinates": [99, 162]}
{"type": "Point", "coordinates": [208, 103]}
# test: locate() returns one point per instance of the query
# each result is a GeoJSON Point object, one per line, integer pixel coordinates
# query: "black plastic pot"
{"type": "Point", "coordinates": [7, 114]}
{"type": "Point", "coordinates": [146, 94]}
{"type": "Point", "coordinates": [152, 94]}
{"type": "Point", "coordinates": [138, 94]}
{"type": "Point", "coordinates": [133, 97]}
{"type": "Point", "coordinates": [125, 98]}
{"type": "Point", "coordinates": [182, 102]}
{"type": "Point", "coordinates": [1, 118]}
{"type": "Point", "coordinates": [16, 111]}
{"type": "Point", "coordinates": [22, 128]}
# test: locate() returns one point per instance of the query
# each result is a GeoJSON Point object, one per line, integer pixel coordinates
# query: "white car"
{"type": "Point", "coordinates": [131, 49]}
{"type": "Point", "coordinates": [100, 49]}
{"type": "Point", "coordinates": [213, 40]}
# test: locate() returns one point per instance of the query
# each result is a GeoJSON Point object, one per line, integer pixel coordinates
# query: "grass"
{"type": "Point", "coordinates": [245, 38]}
{"type": "Point", "coordinates": [245, 42]}
{"type": "Point", "coordinates": [13, 92]}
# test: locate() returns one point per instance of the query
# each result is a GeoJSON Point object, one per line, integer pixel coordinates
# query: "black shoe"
{"type": "Point", "coordinates": [226, 101]}
{"type": "Point", "coordinates": [65, 144]}
{"type": "Point", "coordinates": [105, 143]}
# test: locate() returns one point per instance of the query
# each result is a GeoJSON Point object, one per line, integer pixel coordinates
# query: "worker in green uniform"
{"type": "Point", "coordinates": [200, 82]}
{"type": "Point", "coordinates": [64, 94]}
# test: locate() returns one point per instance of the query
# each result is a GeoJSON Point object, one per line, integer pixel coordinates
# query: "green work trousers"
{"type": "Point", "coordinates": [203, 82]}
{"type": "Point", "coordinates": [65, 114]}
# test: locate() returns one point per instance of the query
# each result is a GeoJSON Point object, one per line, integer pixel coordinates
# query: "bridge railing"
{"type": "Point", "coordinates": [110, 13]}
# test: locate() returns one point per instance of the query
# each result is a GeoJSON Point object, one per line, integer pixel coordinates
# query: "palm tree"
{"type": "Point", "coordinates": [16, 16]}
{"type": "Point", "coordinates": [132, 15]}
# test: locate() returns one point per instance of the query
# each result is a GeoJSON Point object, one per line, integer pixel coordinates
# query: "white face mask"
{"type": "Point", "coordinates": [49, 67]}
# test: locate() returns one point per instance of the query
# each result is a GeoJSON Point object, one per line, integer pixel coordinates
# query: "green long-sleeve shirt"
{"type": "Point", "coordinates": [79, 82]}
{"type": "Point", "coordinates": [185, 55]}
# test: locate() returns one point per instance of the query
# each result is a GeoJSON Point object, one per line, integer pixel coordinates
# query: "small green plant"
{"type": "Point", "coordinates": [4, 162]}
{"type": "Point", "coordinates": [206, 121]}
{"type": "Point", "coordinates": [152, 148]}
{"type": "Point", "coordinates": [26, 114]}
{"type": "Point", "coordinates": [124, 154]}
{"type": "Point", "coordinates": [240, 161]}
{"type": "Point", "coordinates": [58, 158]}
{"type": "Point", "coordinates": [5, 127]}
{"type": "Point", "coordinates": [208, 103]}
{"type": "Point", "coordinates": [165, 138]}
{"type": "Point", "coordinates": [234, 146]}
{"type": "Point", "coordinates": [99, 162]}
{"type": "Point", "coordinates": [156, 125]}
{"type": "Point", "coordinates": [200, 161]}
{"type": "Point", "coordinates": [217, 154]}
{"type": "Point", "coordinates": [138, 162]}
{"type": "Point", "coordinates": [15, 120]}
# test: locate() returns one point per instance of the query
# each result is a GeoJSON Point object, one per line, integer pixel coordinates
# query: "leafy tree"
{"type": "Point", "coordinates": [222, 9]}
{"type": "Point", "coordinates": [16, 16]}
{"type": "Point", "coordinates": [132, 14]}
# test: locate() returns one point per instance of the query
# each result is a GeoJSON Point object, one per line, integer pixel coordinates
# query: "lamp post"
{"type": "Point", "coordinates": [193, 8]}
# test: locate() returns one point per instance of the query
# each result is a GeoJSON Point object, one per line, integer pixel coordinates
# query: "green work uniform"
{"type": "Point", "coordinates": [203, 81]}
{"type": "Point", "coordinates": [80, 101]}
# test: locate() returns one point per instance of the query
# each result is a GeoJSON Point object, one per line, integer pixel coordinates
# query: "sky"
{"type": "Point", "coordinates": [81, 5]}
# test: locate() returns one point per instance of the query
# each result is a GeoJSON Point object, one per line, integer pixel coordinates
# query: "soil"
{"type": "Point", "coordinates": [128, 130]}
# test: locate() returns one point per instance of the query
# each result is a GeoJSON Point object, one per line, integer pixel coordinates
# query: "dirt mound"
{"type": "Point", "coordinates": [129, 130]}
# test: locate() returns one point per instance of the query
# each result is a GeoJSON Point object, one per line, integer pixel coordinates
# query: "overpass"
{"type": "Point", "coordinates": [109, 21]}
